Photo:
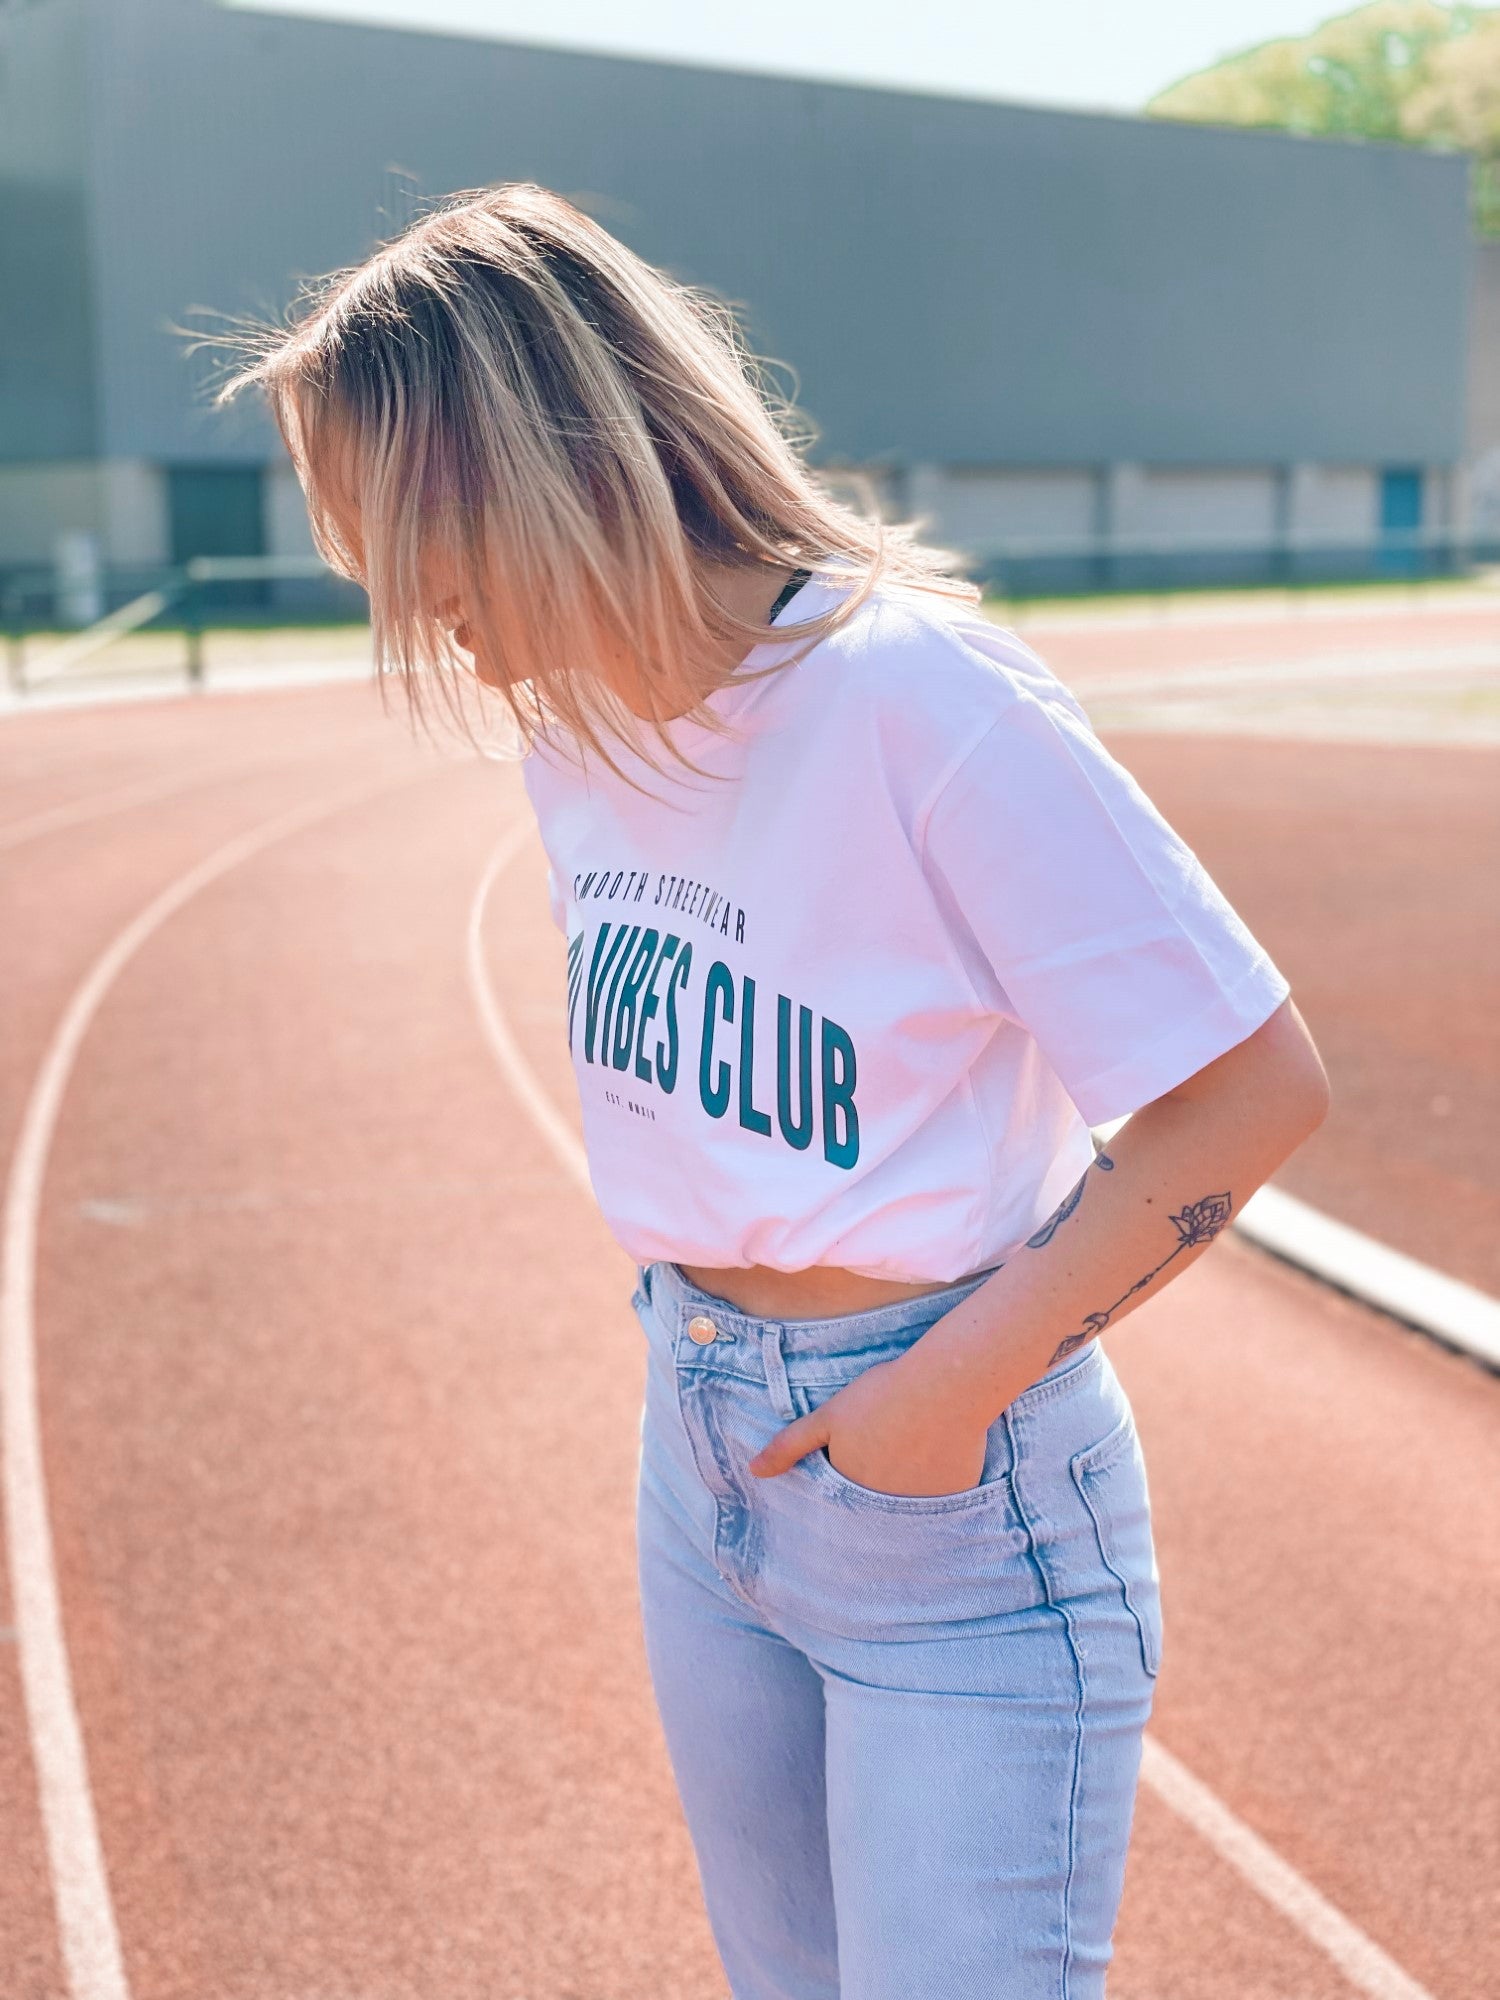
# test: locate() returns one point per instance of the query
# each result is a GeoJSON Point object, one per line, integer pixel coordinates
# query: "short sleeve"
{"type": "Point", "coordinates": [555, 901]}
{"type": "Point", "coordinates": [1106, 938]}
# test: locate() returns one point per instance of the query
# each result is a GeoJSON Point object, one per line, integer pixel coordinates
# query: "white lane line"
{"type": "Point", "coordinates": [175, 687]}
{"type": "Point", "coordinates": [507, 1050]}
{"type": "Point", "coordinates": [1310, 671]}
{"type": "Point", "coordinates": [118, 799]}
{"type": "Point", "coordinates": [147, 791]}
{"type": "Point", "coordinates": [1190, 611]}
{"type": "Point", "coordinates": [1360, 1960]}
{"type": "Point", "coordinates": [87, 1931]}
{"type": "Point", "coordinates": [1457, 1314]}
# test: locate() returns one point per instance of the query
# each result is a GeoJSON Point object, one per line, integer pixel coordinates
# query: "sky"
{"type": "Point", "coordinates": [1097, 55]}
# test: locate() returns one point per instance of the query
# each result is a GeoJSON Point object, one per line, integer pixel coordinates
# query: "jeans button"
{"type": "Point", "coordinates": [702, 1329]}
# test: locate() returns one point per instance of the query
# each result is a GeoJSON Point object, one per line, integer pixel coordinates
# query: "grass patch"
{"type": "Point", "coordinates": [1356, 591]}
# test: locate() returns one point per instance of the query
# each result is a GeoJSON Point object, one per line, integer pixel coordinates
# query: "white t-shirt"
{"type": "Point", "coordinates": [859, 1002]}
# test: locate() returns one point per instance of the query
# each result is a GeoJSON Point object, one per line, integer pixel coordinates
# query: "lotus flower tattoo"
{"type": "Point", "coordinates": [1200, 1222]}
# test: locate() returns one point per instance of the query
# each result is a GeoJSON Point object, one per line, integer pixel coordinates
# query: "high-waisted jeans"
{"type": "Point", "coordinates": [905, 1730]}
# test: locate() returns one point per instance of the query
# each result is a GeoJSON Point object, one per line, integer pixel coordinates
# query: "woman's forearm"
{"type": "Point", "coordinates": [1149, 1206]}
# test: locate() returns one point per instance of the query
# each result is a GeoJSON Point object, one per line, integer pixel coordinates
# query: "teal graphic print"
{"type": "Point", "coordinates": [636, 995]}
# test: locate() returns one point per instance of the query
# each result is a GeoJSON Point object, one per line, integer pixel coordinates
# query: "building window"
{"type": "Point", "coordinates": [219, 510]}
{"type": "Point", "coordinates": [1401, 552]}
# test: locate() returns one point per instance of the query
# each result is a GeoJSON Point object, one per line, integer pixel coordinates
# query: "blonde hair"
{"type": "Point", "coordinates": [506, 387]}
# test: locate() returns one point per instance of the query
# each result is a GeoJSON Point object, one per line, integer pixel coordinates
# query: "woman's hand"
{"type": "Point", "coordinates": [889, 1430]}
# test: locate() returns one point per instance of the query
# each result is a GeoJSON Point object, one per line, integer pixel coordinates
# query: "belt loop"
{"type": "Point", "coordinates": [775, 1364]}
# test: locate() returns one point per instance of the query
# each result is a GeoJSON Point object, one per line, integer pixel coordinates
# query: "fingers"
{"type": "Point", "coordinates": [800, 1437]}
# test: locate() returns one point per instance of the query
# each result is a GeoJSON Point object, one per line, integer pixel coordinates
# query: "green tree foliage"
{"type": "Point", "coordinates": [1408, 71]}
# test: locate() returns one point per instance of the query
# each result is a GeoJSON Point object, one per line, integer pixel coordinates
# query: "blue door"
{"type": "Point", "coordinates": [1400, 518]}
{"type": "Point", "coordinates": [219, 510]}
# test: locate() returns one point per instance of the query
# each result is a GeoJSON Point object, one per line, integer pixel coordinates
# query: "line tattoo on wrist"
{"type": "Point", "coordinates": [1197, 1225]}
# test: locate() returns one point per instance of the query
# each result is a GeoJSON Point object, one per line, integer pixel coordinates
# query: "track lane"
{"type": "Point", "coordinates": [324, 1629]}
{"type": "Point", "coordinates": [54, 762]}
{"type": "Point", "coordinates": [58, 905]}
{"type": "Point", "coordinates": [1363, 869]}
{"type": "Point", "coordinates": [1087, 653]}
{"type": "Point", "coordinates": [345, 1690]}
{"type": "Point", "coordinates": [527, 946]}
{"type": "Point", "coordinates": [86, 1924]}
{"type": "Point", "coordinates": [114, 800]}
{"type": "Point", "coordinates": [1327, 1491]}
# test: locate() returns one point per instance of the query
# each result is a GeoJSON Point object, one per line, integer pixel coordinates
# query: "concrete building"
{"type": "Point", "coordinates": [1093, 346]}
{"type": "Point", "coordinates": [1480, 500]}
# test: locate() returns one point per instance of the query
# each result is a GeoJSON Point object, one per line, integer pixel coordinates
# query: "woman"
{"type": "Point", "coordinates": [865, 931]}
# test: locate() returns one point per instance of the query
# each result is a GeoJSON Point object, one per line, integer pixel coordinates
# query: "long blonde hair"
{"type": "Point", "coordinates": [507, 386]}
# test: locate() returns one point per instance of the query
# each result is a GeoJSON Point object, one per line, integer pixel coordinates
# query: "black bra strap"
{"type": "Point", "coordinates": [794, 584]}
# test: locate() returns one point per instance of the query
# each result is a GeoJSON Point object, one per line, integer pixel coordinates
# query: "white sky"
{"type": "Point", "coordinates": [1104, 55]}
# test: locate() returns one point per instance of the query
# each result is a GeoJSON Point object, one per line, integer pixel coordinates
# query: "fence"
{"type": "Point", "coordinates": [1068, 565]}
{"type": "Point", "coordinates": [191, 598]}
{"type": "Point", "coordinates": [214, 591]}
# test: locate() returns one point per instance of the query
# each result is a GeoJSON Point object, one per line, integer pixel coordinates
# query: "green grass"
{"type": "Point", "coordinates": [1359, 590]}
{"type": "Point", "coordinates": [994, 603]}
{"type": "Point", "coordinates": [167, 627]}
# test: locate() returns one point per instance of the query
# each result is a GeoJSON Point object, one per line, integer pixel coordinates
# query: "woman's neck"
{"type": "Point", "coordinates": [747, 593]}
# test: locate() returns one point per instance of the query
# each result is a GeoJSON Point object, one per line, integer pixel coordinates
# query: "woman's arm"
{"type": "Point", "coordinates": [1146, 1209]}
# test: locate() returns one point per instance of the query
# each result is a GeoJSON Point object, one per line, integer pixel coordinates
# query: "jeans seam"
{"type": "Point", "coordinates": [1084, 1466]}
{"type": "Point", "coordinates": [1045, 1387]}
{"type": "Point", "coordinates": [1024, 1517]}
{"type": "Point", "coordinates": [773, 1361]}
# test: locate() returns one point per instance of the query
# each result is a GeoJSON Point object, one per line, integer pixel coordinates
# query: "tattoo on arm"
{"type": "Point", "coordinates": [1066, 1207]}
{"type": "Point", "coordinates": [1199, 1223]}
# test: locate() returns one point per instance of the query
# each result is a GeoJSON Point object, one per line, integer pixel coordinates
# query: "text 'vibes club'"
{"type": "Point", "coordinates": [639, 987]}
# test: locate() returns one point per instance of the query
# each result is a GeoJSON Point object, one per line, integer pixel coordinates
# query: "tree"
{"type": "Point", "coordinates": [1406, 71]}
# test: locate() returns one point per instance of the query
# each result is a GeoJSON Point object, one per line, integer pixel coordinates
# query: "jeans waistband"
{"type": "Point", "coordinates": [676, 1299]}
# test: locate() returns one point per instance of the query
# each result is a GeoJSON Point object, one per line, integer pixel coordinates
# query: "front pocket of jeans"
{"type": "Point", "coordinates": [964, 1501]}
{"type": "Point", "coordinates": [994, 1484]}
{"type": "Point", "coordinates": [1110, 1477]}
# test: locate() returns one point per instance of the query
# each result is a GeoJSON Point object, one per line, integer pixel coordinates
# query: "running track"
{"type": "Point", "coordinates": [338, 1388]}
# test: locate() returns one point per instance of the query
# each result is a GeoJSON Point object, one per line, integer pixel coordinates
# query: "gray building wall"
{"type": "Point", "coordinates": [47, 321]}
{"type": "Point", "coordinates": [1484, 401]}
{"type": "Point", "coordinates": [971, 293]}
{"type": "Point", "coordinates": [953, 280]}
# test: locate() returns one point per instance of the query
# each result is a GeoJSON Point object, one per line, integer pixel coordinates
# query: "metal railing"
{"type": "Point", "coordinates": [1074, 564]}
{"type": "Point", "coordinates": [183, 599]}
{"type": "Point", "coordinates": [179, 597]}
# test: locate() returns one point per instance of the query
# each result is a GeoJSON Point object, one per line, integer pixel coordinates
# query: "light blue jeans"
{"type": "Point", "coordinates": [905, 1730]}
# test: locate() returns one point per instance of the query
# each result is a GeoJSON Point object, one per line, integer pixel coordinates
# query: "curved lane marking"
{"type": "Point", "coordinates": [76, 812]}
{"type": "Point", "coordinates": [1361, 1961]}
{"type": "Point", "coordinates": [87, 1931]}
{"type": "Point", "coordinates": [145, 791]}
{"type": "Point", "coordinates": [1364, 1965]}
{"type": "Point", "coordinates": [503, 1044]}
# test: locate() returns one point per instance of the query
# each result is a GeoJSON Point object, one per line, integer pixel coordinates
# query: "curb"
{"type": "Point", "coordinates": [47, 697]}
{"type": "Point", "coordinates": [1445, 1309]}
{"type": "Point", "coordinates": [1459, 1315]}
